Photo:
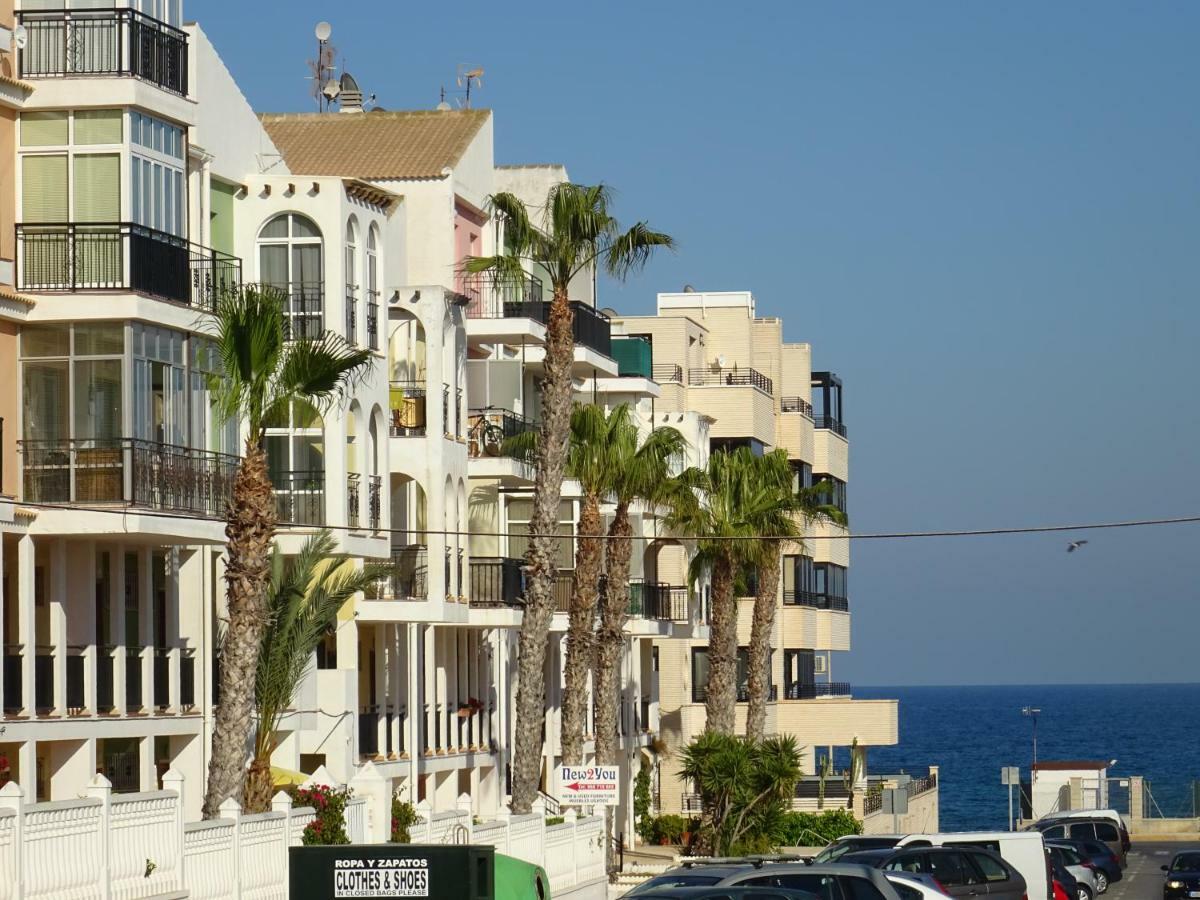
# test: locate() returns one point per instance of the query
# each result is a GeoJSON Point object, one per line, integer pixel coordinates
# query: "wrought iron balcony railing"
{"type": "Point", "coordinates": [796, 405]}
{"type": "Point", "coordinates": [87, 42]}
{"type": "Point", "coordinates": [351, 315]}
{"type": "Point", "coordinates": [407, 400]}
{"type": "Point", "coordinates": [815, 600]}
{"type": "Point", "coordinates": [353, 499]}
{"type": "Point", "coordinates": [590, 327]}
{"type": "Point", "coordinates": [122, 256]}
{"type": "Point", "coordinates": [830, 423]}
{"type": "Point", "coordinates": [497, 581]}
{"type": "Point", "coordinates": [300, 497]}
{"type": "Point", "coordinates": [372, 320]}
{"type": "Point", "coordinates": [732, 377]}
{"type": "Point", "coordinates": [801, 691]}
{"type": "Point", "coordinates": [410, 573]}
{"type": "Point", "coordinates": [502, 297]}
{"type": "Point", "coordinates": [304, 304]}
{"type": "Point", "coordinates": [667, 373]}
{"type": "Point", "coordinates": [490, 432]}
{"type": "Point", "coordinates": [128, 470]}
{"type": "Point", "coordinates": [375, 501]}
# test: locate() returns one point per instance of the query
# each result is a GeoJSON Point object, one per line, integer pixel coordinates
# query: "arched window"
{"type": "Point", "coordinates": [373, 288]}
{"type": "Point", "coordinates": [295, 444]}
{"type": "Point", "coordinates": [290, 258]}
{"type": "Point", "coordinates": [352, 281]}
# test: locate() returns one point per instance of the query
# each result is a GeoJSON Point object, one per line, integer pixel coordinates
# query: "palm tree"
{"type": "Point", "coordinates": [591, 459]}
{"type": "Point", "coordinates": [578, 234]}
{"type": "Point", "coordinates": [720, 506]}
{"type": "Point", "coordinates": [305, 594]}
{"type": "Point", "coordinates": [262, 374]}
{"type": "Point", "coordinates": [641, 470]}
{"type": "Point", "coordinates": [779, 504]}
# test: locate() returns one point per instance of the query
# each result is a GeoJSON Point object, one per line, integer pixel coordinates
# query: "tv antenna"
{"type": "Point", "coordinates": [325, 87]}
{"type": "Point", "coordinates": [468, 76]}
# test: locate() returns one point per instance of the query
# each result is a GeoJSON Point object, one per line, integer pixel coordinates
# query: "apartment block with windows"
{"type": "Point", "coordinates": [712, 355]}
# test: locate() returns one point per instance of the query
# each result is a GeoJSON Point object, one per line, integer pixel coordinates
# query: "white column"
{"type": "Point", "coordinates": [27, 763]}
{"type": "Point", "coordinates": [397, 684]}
{"type": "Point", "coordinates": [90, 627]}
{"type": "Point", "coordinates": [58, 621]}
{"type": "Point", "coordinates": [414, 722]}
{"type": "Point", "coordinates": [146, 624]}
{"type": "Point", "coordinates": [381, 695]}
{"type": "Point", "coordinates": [454, 686]}
{"type": "Point", "coordinates": [174, 640]}
{"type": "Point", "coordinates": [441, 688]}
{"type": "Point", "coordinates": [429, 691]}
{"type": "Point", "coordinates": [147, 774]}
{"type": "Point", "coordinates": [26, 626]}
{"type": "Point", "coordinates": [116, 626]}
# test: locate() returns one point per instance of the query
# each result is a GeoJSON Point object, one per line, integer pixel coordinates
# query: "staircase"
{"type": "Point", "coordinates": [634, 874]}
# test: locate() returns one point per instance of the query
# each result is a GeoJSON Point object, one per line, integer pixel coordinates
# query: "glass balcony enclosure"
{"type": "Point", "coordinates": [120, 412]}
{"type": "Point", "coordinates": [131, 38]}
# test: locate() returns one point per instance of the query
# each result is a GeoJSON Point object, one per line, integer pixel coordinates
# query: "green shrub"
{"type": "Point", "coordinates": [554, 820]}
{"type": "Point", "coordinates": [671, 827]}
{"type": "Point", "coordinates": [642, 820]}
{"type": "Point", "coordinates": [808, 829]}
{"type": "Point", "coordinates": [329, 827]}
{"type": "Point", "coordinates": [404, 817]}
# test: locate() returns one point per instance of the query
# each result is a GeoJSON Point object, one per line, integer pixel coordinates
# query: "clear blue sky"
{"type": "Point", "coordinates": [984, 216]}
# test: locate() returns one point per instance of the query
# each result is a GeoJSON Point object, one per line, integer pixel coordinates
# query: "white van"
{"type": "Point", "coordinates": [1025, 851]}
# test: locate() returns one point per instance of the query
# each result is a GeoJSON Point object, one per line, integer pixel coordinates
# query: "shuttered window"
{"type": "Point", "coordinates": [44, 129]}
{"type": "Point", "coordinates": [44, 188]}
{"type": "Point", "coordinates": [98, 188]}
{"type": "Point", "coordinates": [98, 126]}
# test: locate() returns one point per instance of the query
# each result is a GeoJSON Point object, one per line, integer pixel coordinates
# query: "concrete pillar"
{"type": "Point", "coordinates": [414, 721]}
{"type": "Point", "coordinates": [429, 691]}
{"type": "Point", "coordinates": [397, 685]}
{"type": "Point", "coordinates": [27, 770]}
{"type": "Point", "coordinates": [27, 628]}
{"type": "Point", "coordinates": [381, 697]}
{"type": "Point", "coordinates": [85, 618]}
{"type": "Point", "coordinates": [72, 765]}
{"type": "Point", "coordinates": [145, 637]}
{"type": "Point", "coordinates": [174, 640]}
{"type": "Point", "coordinates": [116, 626]}
{"type": "Point", "coordinates": [147, 773]}
{"type": "Point", "coordinates": [1137, 799]}
{"type": "Point", "coordinates": [57, 587]}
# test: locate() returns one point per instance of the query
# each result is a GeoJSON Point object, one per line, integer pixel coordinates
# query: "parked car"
{"type": "Point", "coordinates": [1064, 878]}
{"type": "Point", "coordinates": [852, 843]}
{"type": "Point", "coordinates": [1080, 829]}
{"type": "Point", "coordinates": [1110, 815]}
{"type": "Point", "coordinates": [1024, 851]}
{"type": "Point", "coordinates": [838, 881]}
{"type": "Point", "coordinates": [957, 871]}
{"type": "Point", "coordinates": [1060, 893]}
{"type": "Point", "coordinates": [915, 886]}
{"type": "Point", "coordinates": [704, 872]}
{"type": "Point", "coordinates": [1107, 866]}
{"type": "Point", "coordinates": [1183, 876]}
{"type": "Point", "coordinates": [726, 893]}
{"type": "Point", "coordinates": [1083, 873]}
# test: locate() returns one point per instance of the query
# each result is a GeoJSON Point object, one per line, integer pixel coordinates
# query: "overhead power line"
{"type": "Point", "coordinates": [882, 535]}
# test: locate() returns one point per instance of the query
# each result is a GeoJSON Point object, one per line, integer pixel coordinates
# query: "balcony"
{"type": "Point", "coordinates": [830, 423]}
{"type": "Point", "coordinates": [407, 400]}
{"type": "Point", "coordinates": [351, 316]}
{"type": "Point", "coordinates": [801, 691]}
{"type": "Point", "coordinates": [633, 356]}
{"type": "Point", "coordinates": [84, 258]}
{"type": "Point", "coordinates": [658, 600]}
{"type": "Point", "coordinates": [796, 405]}
{"type": "Point", "coordinates": [300, 498]}
{"type": "Point", "coordinates": [815, 600]}
{"type": "Point", "coordinates": [374, 501]}
{"type": "Point", "coordinates": [667, 373]}
{"type": "Point", "coordinates": [304, 305]}
{"type": "Point", "coordinates": [731, 377]}
{"type": "Point", "coordinates": [497, 582]}
{"type": "Point", "coordinates": [590, 327]}
{"type": "Point", "coordinates": [492, 296]}
{"type": "Point", "coordinates": [130, 471]}
{"type": "Point", "coordinates": [353, 498]}
{"type": "Point", "coordinates": [104, 42]}
{"type": "Point", "coordinates": [410, 573]}
{"type": "Point", "coordinates": [700, 693]}
{"type": "Point", "coordinates": [490, 433]}
{"type": "Point", "coordinates": [372, 320]}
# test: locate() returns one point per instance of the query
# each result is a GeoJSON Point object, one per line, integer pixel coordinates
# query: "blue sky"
{"type": "Point", "coordinates": [984, 216]}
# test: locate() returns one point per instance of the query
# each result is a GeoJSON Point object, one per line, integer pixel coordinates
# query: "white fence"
{"type": "Point", "coordinates": [129, 846]}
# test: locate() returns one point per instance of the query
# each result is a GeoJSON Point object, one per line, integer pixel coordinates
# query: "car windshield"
{"type": "Point", "coordinates": [841, 848]}
{"type": "Point", "coordinates": [670, 880]}
{"type": "Point", "coordinates": [1186, 862]}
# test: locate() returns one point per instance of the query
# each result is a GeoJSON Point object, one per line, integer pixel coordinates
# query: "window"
{"type": "Point", "coordinates": [799, 580]}
{"type": "Point", "coordinates": [1104, 832]}
{"type": "Point", "coordinates": [60, 180]}
{"type": "Point", "coordinates": [992, 868]}
{"type": "Point", "coordinates": [860, 889]}
{"type": "Point", "coordinates": [295, 445]}
{"type": "Point", "coordinates": [290, 258]}
{"type": "Point", "coordinates": [701, 673]}
{"type": "Point", "coordinates": [519, 513]}
{"type": "Point", "coordinates": [823, 886]}
{"type": "Point", "coordinates": [158, 197]}
{"type": "Point", "coordinates": [728, 445]}
{"type": "Point", "coordinates": [906, 892]}
{"type": "Point", "coordinates": [829, 581]}
{"type": "Point", "coordinates": [802, 475]}
{"type": "Point", "coordinates": [95, 410]}
{"type": "Point", "coordinates": [834, 490]}
{"type": "Point", "coordinates": [827, 400]}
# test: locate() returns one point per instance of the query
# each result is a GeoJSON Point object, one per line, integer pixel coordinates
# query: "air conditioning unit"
{"type": "Point", "coordinates": [6, 39]}
{"type": "Point", "coordinates": [820, 665]}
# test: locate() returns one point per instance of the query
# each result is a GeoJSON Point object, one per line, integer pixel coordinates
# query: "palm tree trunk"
{"type": "Point", "coordinates": [249, 529]}
{"type": "Point", "coordinates": [581, 645]}
{"type": "Point", "coordinates": [613, 605]}
{"type": "Point", "coordinates": [721, 704]}
{"type": "Point", "coordinates": [259, 786]}
{"type": "Point", "coordinates": [760, 642]}
{"type": "Point", "coordinates": [539, 559]}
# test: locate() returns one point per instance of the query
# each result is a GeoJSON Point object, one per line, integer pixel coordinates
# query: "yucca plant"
{"type": "Point", "coordinates": [574, 233]}
{"type": "Point", "coordinates": [263, 372]}
{"type": "Point", "coordinates": [304, 595]}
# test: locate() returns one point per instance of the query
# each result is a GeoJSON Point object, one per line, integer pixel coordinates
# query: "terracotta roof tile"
{"type": "Point", "coordinates": [7, 293]}
{"type": "Point", "coordinates": [375, 145]}
{"type": "Point", "coordinates": [1070, 765]}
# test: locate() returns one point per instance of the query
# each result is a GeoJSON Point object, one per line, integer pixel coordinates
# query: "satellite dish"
{"type": "Point", "coordinates": [331, 89]}
{"type": "Point", "coordinates": [20, 37]}
{"type": "Point", "coordinates": [323, 31]}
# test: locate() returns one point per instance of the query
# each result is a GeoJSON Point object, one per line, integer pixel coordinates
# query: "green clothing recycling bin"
{"type": "Point", "coordinates": [519, 880]}
{"type": "Point", "coordinates": [442, 872]}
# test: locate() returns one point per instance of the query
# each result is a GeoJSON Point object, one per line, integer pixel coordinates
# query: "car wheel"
{"type": "Point", "coordinates": [1083, 893]}
{"type": "Point", "coordinates": [1101, 882]}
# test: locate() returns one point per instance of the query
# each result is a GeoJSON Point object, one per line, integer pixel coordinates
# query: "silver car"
{"type": "Point", "coordinates": [1070, 860]}
{"type": "Point", "coordinates": [827, 882]}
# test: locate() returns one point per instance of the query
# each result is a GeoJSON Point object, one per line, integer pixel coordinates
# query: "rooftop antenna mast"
{"type": "Point", "coordinates": [468, 75]}
{"type": "Point", "coordinates": [325, 86]}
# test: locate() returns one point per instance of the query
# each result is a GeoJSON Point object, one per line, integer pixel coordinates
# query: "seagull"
{"type": "Point", "coordinates": [1075, 545]}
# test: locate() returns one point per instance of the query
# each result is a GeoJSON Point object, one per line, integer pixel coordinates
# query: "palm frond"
{"type": "Point", "coordinates": [630, 251]}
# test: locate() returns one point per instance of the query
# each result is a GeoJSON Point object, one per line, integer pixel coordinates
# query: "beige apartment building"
{"type": "Point", "coordinates": [713, 356]}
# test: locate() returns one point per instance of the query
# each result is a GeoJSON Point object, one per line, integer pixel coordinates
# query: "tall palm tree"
{"type": "Point", "coordinates": [641, 470]}
{"type": "Point", "coordinates": [779, 505]}
{"type": "Point", "coordinates": [306, 591]}
{"type": "Point", "coordinates": [575, 234]}
{"type": "Point", "coordinates": [590, 460]}
{"type": "Point", "coordinates": [720, 506]}
{"type": "Point", "coordinates": [262, 374]}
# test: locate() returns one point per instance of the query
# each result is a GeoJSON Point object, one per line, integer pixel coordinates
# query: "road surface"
{"type": "Point", "coordinates": [1144, 879]}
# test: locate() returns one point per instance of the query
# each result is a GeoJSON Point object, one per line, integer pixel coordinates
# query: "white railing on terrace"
{"type": "Point", "coordinates": [130, 846]}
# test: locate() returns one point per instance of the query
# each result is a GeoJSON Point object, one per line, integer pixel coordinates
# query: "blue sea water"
{"type": "Point", "coordinates": [971, 732]}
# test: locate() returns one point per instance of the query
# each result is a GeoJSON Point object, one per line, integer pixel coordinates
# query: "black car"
{"type": "Point", "coordinates": [703, 873]}
{"type": "Point", "coordinates": [960, 871]}
{"type": "Point", "coordinates": [726, 893]}
{"type": "Point", "coordinates": [1183, 875]}
{"type": "Point", "coordinates": [1105, 863]}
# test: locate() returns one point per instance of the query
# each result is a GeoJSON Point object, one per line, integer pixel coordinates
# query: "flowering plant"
{"type": "Point", "coordinates": [329, 826]}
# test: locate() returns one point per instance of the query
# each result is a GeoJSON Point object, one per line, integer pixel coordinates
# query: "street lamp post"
{"type": "Point", "coordinates": [1032, 713]}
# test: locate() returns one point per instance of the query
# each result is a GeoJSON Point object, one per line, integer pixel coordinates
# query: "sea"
{"type": "Point", "coordinates": [971, 732]}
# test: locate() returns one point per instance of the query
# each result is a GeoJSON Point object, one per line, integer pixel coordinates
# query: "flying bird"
{"type": "Point", "coordinates": [1075, 545]}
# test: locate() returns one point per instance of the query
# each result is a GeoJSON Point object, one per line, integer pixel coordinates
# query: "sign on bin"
{"type": "Point", "coordinates": [588, 785]}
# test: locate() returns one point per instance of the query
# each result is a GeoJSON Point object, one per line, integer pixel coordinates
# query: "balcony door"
{"type": "Point", "coordinates": [290, 258]}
